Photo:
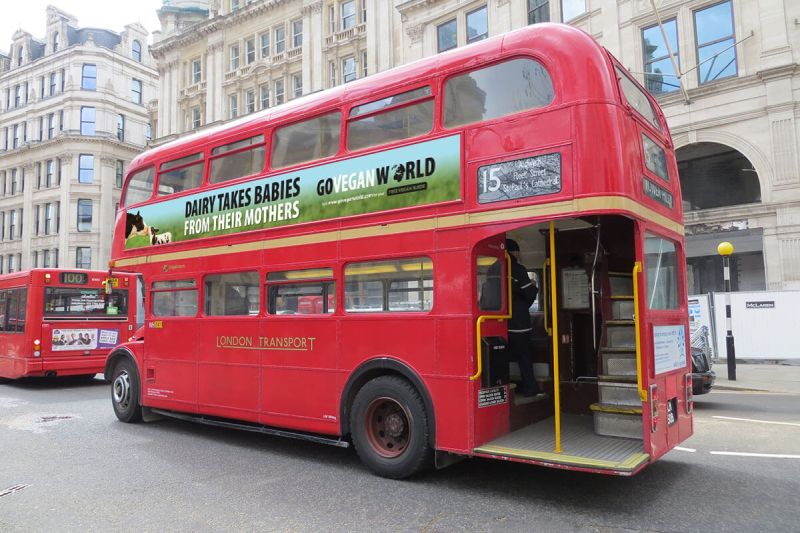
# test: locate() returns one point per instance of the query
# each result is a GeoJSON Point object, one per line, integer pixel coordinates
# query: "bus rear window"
{"type": "Point", "coordinates": [495, 91]}
{"type": "Point", "coordinates": [661, 272]}
{"type": "Point", "coordinates": [84, 302]}
{"type": "Point", "coordinates": [237, 159]}
{"type": "Point", "coordinates": [305, 141]}
{"type": "Point", "coordinates": [181, 174]}
{"type": "Point", "coordinates": [140, 186]}
{"type": "Point", "coordinates": [13, 303]}
{"type": "Point", "coordinates": [637, 99]}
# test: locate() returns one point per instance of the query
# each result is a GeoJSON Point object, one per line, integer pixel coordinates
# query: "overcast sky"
{"type": "Point", "coordinates": [108, 14]}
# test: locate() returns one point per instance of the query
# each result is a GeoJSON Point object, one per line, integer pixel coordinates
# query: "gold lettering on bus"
{"type": "Point", "coordinates": [286, 343]}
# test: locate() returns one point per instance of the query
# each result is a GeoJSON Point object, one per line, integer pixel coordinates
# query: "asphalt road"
{"type": "Point", "coordinates": [67, 464]}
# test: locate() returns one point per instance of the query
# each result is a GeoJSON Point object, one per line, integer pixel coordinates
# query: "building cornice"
{"type": "Point", "coordinates": [197, 32]}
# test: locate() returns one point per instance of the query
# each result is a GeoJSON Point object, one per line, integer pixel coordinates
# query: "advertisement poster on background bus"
{"type": "Point", "coordinates": [418, 174]}
{"type": "Point", "coordinates": [83, 339]}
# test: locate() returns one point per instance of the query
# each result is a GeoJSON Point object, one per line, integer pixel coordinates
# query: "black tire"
{"type": "Point", "coordinates": [389, 428]}
{"type": "Point", "coordinates": [125, 391]}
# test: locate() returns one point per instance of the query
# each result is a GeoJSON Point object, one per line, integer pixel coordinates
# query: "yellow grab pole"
{"type": "Point", "coordinates": [544, 294]}
{"type": "Point", "coordinates": [483, 318]}
{"type": "Point", "coordinates": [554, 315]}
{"type": "Point", "coordinates": [637, 268]}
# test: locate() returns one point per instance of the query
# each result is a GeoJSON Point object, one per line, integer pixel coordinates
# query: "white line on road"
{"type": "Point", "coordinates": [769, 455]}
{"type": "Point", "coordinates": [682, 449]}
{"type": "Point", "coordinates": [758, 421]}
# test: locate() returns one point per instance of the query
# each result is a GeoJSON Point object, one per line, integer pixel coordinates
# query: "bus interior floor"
{"type": "Point", "coordinates": [580, 445]}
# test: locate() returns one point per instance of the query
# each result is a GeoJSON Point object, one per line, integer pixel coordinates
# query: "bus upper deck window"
{"type": "Point", "coordinates": [307, 140]}
{"type": "Point", "coordinates": [401, 121]}
{"type": "Point", "coordinates": [140, 186]}
{"type": "Point", "coordinates": [495, 91]}
{"type": "Point", "coordinates": [637, 99]}
{"type": "Point", "coordinates": [237, 159]}
{"type": "Point", "coordinates": [181, 174]}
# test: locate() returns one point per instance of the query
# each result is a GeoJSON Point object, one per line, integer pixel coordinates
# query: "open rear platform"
{"type": "Point", "coordinates": [581, 447]}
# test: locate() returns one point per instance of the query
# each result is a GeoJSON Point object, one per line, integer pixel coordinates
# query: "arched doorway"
{"type": "Point", "coordinates": [715, 176]}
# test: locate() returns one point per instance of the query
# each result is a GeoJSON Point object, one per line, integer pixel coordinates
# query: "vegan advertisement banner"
{"type": "Point", "coordinates": [418, 174]}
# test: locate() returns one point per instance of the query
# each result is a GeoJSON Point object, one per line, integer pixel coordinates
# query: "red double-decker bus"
{"type": "Point", "coordinates": [334, 268]}
{"type": "Point", "coordinates": [56, 322]}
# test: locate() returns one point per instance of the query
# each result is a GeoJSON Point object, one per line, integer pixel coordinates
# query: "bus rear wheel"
{"type": "Point", "coordinates": [125, 392]}
{"type": "Point", "coordinates": [389, 427]}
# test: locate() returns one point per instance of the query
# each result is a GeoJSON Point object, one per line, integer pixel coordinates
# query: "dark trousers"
{"type": "Point", "coordinates": [520, 346]}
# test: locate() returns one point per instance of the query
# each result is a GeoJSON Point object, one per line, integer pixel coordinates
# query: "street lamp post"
{"type": "Point", "coordinates": [725, 249]}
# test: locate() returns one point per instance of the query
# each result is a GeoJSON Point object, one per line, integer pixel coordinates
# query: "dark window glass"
{"type": "Point", "coordinates": [446, 36]}
{"type": "Point", "coordinates": [84, 215]}
{"type": "Point", "coordinates": [242, 158]}
{"type": "Point", "coordinates": [715, 38]}
{"type": "Point", "coordinates": [140, 186]}
{"type": "Point", "coordinates": [85, 168]}
{"type": "Point", "coordinates": [660, 261]}
{"type": "Point", "coordinates": [382, 286]}
{"type": "Point", "coordinates": [538, 11]}
{"type": "Point", "coordinates": [660, 75]}
{"type": "Point", "coordinates": [174, 298]}
{"type": "Point", "coordinates": [637, 99]}
{"type": "Point", "coordinates": [84, 302]}
{"type": "Point", "coordinates": [477, 25]}
{"type": "Point", "coordinates": [88, 79]}
{"type": "Point", "coordinates": [232, 294]}
{"type": "Point", "coordinates": [305, 141]}
{"type": "Point", "coordinates": [495, 91]}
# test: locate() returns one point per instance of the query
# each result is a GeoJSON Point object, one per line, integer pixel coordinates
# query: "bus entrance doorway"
{"type": "Point", "coordinates": [584, 349]}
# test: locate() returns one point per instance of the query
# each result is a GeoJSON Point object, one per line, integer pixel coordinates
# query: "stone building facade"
{"type": "Point", "coordinates": [724, 71]}
{"type": "Point", "coordinates": [72, 116]}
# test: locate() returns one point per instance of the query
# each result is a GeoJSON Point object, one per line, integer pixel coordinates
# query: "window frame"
{"type": "Point", "coordinates": [698, 46]}
{"type": "Point", "coordinates": [81, 225]}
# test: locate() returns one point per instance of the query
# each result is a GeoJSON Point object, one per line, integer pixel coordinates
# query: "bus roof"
{"type": "Point", "coordinates": [547, 40]}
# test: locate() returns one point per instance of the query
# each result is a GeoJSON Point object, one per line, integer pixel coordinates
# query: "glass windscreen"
{"type": "Point", "coordinates": [84, 302]}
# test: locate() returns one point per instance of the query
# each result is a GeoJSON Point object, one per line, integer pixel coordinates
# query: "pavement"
{"type": "Point", "coordinates": [779, 378]}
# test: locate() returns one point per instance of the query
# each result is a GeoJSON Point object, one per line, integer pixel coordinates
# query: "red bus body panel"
{"type": "Point", "coordinates": [599, 137]}
{"type": "Point", "coordinates": [17, 357]}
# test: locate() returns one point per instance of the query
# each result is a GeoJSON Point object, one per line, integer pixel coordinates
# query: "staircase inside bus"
{"type": "Point", "coordinates": [600, 422]}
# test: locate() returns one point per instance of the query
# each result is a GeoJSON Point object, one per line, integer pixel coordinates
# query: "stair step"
{"type": "Point", "coordinates": [610, 378]}
{"type": "Point", "coordinates": [622, 297]}
{"type": "Point", "coordinates": [618, 394]}
{"type": "Point", "coordinates": [619, 349]}
{"type": "Point", "coordinates": [621, 274]}
{"type": "Point", "coordinates": [614, 424]}
{"type": "Point", "coordinates": [615, 409]}
{"type": "Point", "coordinates": [622, 309]}
{"type": "Point", "coordinates": [617, 322]}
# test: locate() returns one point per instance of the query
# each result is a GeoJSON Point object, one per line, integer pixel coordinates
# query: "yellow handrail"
{"type": "Point", "coordinates": [637, 269]}
{"type": "Point", "coordinates": [554, 307]}
{"type": "Point", "coordinates": [483, 318]}
{"type": "Point", "coordinates": [544, 294]}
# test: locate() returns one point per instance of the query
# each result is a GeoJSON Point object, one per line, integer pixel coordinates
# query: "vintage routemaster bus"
{"type": "Point", "coordinates": [322, 269]}
{"type": "Point", "coordinates": [56, 322]}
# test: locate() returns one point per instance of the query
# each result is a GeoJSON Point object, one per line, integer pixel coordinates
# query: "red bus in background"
{"type": "Point", "coordinates": [57, 322]}
{"type": "Point", "coordinates": [334, 268]}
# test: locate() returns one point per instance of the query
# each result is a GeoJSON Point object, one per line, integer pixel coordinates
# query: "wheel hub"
{"type": "Point", "coordinates": [122, 389]}
{"type": "Point", "coordinates": [388, 427]}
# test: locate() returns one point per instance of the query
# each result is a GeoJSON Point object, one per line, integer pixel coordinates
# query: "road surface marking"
{"type": "Point", "coordinates": [680, 448]}
{"type": "Point", "coordinates": [759, 421]}
{"type": "Point", "coordinates": [769, 455]}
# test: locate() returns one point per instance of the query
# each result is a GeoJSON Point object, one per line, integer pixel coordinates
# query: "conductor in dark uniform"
{"type": "Point", "coordinates": [520, 328]}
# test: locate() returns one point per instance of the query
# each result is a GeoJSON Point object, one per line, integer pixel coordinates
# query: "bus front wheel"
{"type": "Point", "coordinates": [389, 427]}
{"type": "Point", "coordinates": [125, 392]}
